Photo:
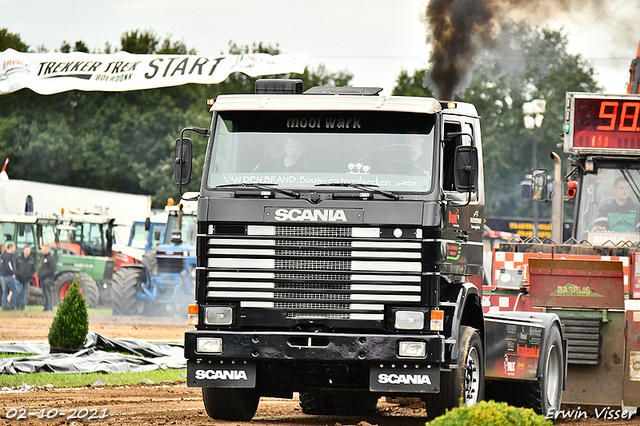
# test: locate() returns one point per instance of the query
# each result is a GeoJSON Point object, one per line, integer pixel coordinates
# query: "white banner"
{"type": "Point", "coordinates": [48, 73]}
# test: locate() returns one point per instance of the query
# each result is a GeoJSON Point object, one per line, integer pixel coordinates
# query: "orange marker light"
{"type": "Point", "coordinates": [437, 320]}
{"type": "Point", "coordinates": [193, 314]}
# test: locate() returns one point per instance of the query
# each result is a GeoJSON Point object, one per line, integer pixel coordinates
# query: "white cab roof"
{"type": "Point", "coordinates": [333, 103]}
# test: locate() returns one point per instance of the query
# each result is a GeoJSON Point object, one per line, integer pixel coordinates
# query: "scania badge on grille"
{"type": "Point", "coordinates": [312, 215]}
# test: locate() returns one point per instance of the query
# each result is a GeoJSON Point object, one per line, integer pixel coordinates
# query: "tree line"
{"type": "Point", "coordinates": [123, 141]}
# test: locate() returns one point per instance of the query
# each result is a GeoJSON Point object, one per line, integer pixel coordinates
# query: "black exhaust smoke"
{"type": "Point", "coordinates": [458, 30]}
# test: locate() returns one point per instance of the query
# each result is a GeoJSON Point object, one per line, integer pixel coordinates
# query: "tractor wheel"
{"type": "Point", "coordinates": [230, 404]}
{"type": "Point", "coordinates": [124, 290]}
{"type": "Point", "coordinates": [150, 262]}
{"type": "Point", "coordinates": [544, 395]}
{"type": "Point", "coordinates": [319, 404]}
{"type": "Point", "coordinates": [355, 405]}
{"type": "Point", "coordinates": [88, 287]}
{"type": "Point", "coordinates": [466, 381]}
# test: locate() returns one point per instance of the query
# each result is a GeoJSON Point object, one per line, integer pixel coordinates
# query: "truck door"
{"type": "Point", "coordinates": [463, 215]}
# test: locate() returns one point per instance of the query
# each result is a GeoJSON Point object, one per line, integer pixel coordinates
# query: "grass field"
{"type": "Point", "coordinates": [66, 380]}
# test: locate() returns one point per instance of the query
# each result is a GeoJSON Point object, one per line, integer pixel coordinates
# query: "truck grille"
{"type": "Point", "coordinates": [311, 272]}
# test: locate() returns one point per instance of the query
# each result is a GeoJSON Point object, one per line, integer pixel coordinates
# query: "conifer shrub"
{"type": "Point", "coordinates": [490, 413]}
{"type": "Point", "coordinates": [71, 324]}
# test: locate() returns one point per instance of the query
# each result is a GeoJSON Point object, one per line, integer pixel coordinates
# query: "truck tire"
{"type": "Point", "coordinates": [150, 262]}
{"type": "Point", "coordinates": [88, 286]}
{"type": "Point", "coordinates": [545, 394]}
{"type": "Point", "coordinates": [230, 404]}
{"type": "Point", "coordinates": [466, 381]}
{"type": "Point", "coordinates": [320, 404]}
{"type": "Point", "coordinates": [124, 289]}
{"type": "Point", "coordinates": [355, 405]}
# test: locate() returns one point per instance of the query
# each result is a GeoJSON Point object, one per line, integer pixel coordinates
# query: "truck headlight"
{"type": "Point", "coordinates": [409, 320]}
{"type": "Point", "coordinates": [209, 345]}
{"type": "Point", "coordinates": [218, 315]}
{"type": "Point", "coordinates": [413, 349]}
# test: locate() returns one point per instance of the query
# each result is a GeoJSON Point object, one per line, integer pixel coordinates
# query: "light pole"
{"type": "Point", "coordinates": [533, 115]}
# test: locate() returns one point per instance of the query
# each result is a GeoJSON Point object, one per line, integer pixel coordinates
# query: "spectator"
{"type": "Point", "coordinates": [26, 267]}
{"type": "Point", "coordinates": [47, 271]}
{"type": "Point", "coordinates": [9, 271]}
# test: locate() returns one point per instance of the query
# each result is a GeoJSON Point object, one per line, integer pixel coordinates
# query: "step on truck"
{"type": "Point", "coordinates": [339, 255]}
{"type": "Point", "coordinates": [592, 280]}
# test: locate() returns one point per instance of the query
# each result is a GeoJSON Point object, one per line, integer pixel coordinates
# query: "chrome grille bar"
{"type": "Point", "coordinates": [331, 272]}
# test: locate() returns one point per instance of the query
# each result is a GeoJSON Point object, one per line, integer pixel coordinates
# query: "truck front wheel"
{"type": "Point", "coordinates": [466, 381]}
{"type": "Point", "coordinates": [230, 404]}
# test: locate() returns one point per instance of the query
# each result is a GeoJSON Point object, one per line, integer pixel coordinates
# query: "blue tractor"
{"type": "Point", "coordinates": [164, 284]}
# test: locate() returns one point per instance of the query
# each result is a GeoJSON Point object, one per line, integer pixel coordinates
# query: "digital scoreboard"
{"type": "Point", "coordinates": [597, 123]}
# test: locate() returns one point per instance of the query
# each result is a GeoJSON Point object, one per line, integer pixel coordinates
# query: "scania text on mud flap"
{"type": "Point", "coordinates": [592, 281]}
{"type": "Point", "coordinates": [339, 255]}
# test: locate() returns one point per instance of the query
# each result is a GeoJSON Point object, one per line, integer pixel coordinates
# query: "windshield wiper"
{"type": "Point", "coordinates": [263, 186]}
{"type": "Point", "coordinates": [364, 187]}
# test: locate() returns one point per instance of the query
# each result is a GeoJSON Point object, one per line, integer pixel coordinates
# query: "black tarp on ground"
{"type": "Point", "coordinates": [100, 355]}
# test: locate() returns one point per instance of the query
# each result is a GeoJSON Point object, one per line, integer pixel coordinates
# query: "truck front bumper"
{"type": "Point", "coordinates": [244, 357]}
{"type": "Point", "coordinates": [313, 347]}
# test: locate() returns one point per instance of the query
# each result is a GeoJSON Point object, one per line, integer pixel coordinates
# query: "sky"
{"type": "Point", "coordinates": [373, 39]}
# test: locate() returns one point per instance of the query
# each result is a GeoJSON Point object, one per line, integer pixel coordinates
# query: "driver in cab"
{"type": "Point", "coordinates": [620, 214]}
{"type": "Point", "coordinates": [291, 160]}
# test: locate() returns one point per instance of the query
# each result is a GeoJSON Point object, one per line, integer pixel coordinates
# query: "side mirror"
{"type": "Point", "coordinates": [182, 163]}
{"type": "Point", "coordinates": [465, 166]}
{"type": "Point", "coordinates": [539, 185]}
{"type": "Point", "coordinates": [147, 224]}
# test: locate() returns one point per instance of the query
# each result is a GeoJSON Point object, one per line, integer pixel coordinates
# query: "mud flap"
{"type": "Point", "coordinates": [228, 374]}
{"type": "Point", "coordinates": [404, 377]}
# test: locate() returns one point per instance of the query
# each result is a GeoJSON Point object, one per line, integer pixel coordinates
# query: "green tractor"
{"type": "Point", "coordinates": [81, 245]}
{"type": "Point", "coordinates": [85, 242]}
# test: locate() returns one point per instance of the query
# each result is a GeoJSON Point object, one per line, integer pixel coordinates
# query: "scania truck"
{"type": "Point", "coordinates": [339, 256]}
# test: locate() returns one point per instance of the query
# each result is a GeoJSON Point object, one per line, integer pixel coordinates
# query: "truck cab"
{"type": "Point", "coordinates": [339, 253]}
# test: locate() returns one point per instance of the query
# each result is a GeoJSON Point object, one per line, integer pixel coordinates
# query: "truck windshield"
{"type": "Point", "coordinates": [608, 209]}
{"type": "Point", "coordinates": [302, 149]}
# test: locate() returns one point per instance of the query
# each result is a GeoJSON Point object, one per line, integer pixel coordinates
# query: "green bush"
{"type": "Point", "coordinates": [490, 413]}
{"type": "Point", "coordinates": [71, 324]}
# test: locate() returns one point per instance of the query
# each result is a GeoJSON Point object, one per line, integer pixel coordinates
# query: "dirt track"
{"type": "Point", "coordinates": [172, 405]}
{"type": "Point", "coordinates": [21, 326]}
{"type": "Point", "coordinates": [166, 404]}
